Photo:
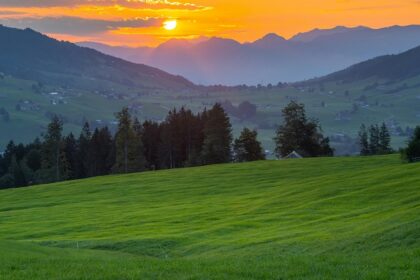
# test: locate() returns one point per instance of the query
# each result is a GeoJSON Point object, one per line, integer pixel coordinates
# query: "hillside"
{"type": "Point", "coordinates": [391, 68]}
{"type": "Point", "coordinates": [40, 77]}
{"type": "Point", "coordinates": [272, 58]}
{"type": "Point", "coordinates": [346, 218]}
{"type": "Point", "coordinates": [29, 55]}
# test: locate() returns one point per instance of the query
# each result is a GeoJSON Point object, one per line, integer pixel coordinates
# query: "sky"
{"type": "Point", "coordinates": [141, 22]}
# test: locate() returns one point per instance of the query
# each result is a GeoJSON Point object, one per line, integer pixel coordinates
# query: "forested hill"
{"type": "Point", "coordinates": [29, 55]}
{"type": "Point", "coordinates": [390, 67]}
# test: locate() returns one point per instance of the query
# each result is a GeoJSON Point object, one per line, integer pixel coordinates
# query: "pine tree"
{"type": "Point", "coordinates": [138, 149]}
{"type": "Point", "coordinates": [151, 139]}
{"type": "Point", "coordinates": [18, 174]}
{"type": "Point", "coordinates": [374, 139]}
{"type": "Point", "coordinates": [71, 152]}
{"type": "Point", "coordinates": [168, 149]}
{"type": "Point", "coordinates": [128, 159]}
{"type": "Point", "coordinates": [102, 152]}
{"type": "Point", "coordinates": [364, 141]}
{"type": "Point", "coordinates": [217, 137]}
{"type": "Point", "coordinates": [54, 163]}
{"type": "Point", "coordinates": [384, 140]}
{"type": "Point", "coordinates": [83, 163]}
{"type": "Point", "coordinates": [412, 152]}
{"type": "Point", "coordinates": [7, 158]}
{"type": "Point", "coordinates": [247, 147]}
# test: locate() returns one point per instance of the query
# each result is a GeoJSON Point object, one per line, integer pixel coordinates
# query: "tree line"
{"type": "Point", "coordinates": [183, 139]}
{"type": "Point", "coordinates": [375, 140]}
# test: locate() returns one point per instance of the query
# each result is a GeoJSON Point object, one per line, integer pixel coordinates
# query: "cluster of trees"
{"type": "Point", "coordinates": [183, 139]}
{"type": "Point", "coordinates": [300, 134]}
{"type": "Point", "coordinates": [245, 110]}
{"type": "Point", "coordinates": [375, 140]}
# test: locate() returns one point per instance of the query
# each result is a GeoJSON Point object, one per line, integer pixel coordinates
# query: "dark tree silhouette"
{"type": "Point", "coordinates": [298, 133]}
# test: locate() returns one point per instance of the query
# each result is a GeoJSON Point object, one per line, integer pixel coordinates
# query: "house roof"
{"type": "Point", "coordinates": [293, 154]}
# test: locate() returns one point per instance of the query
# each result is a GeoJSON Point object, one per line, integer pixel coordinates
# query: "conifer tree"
{"type": "Point", "coordinates": [247, 147]}
{"type": "Point", "coordinates": [83, 152]}
{"type": "Point", "coordinates": [127, 144]}
{"type": "Point", "coordinates": [412, 152]}
{"type": "Point", "coordinates": [54, 159]}
{"type": "Point", "coordinates": [364, 141]}
{"type": "Point", "coordinates": [374, 138]}
{"type": "Point", "coordinates": [151, 139]}
{"type": "Point", "coordinates": [138, 149]}
{"type": "Point", "coordinates": [217, 137]}
{"type": "Point", "coordinates": [70, 150]}
{"type": "Point", "coordinates": [384, 140]}
{"type": "Point", "coordinates": [102, 152]}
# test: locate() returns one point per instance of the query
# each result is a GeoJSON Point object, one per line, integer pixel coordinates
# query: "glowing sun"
{"type": "Point", "coordinates": [170, 24]}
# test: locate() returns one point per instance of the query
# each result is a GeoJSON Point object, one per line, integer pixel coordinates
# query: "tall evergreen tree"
{"type": "Point", "coordinates": [138, 148]}
{"type": "Point", "coordinates": [299, 134]}
{"type": "Point", "coordinates": [102, 152]}
{"type": "Point", "coordinates": [384, 140]}
{"type": "Point", "coordinates": [196, 139]}
{"type": "Point", "coordinates": [169, 150]}
{"type": "Point", "coordinates": [364, 141]}
{"type": "Point", "coordinates": [7, 158]}
{"type": "Point", "coordinates": [374, 138]}
{"type": "Point", "coordinates": [17, 172]}
{"type": "Point", "coordinates": [33, 155]}
{"type": "Point", "coordinates": [412, 152]}
{"type": "Point", "coordinates": [83, 152]}
{"type": "Point", "coordinates": [71, 152]}
{"type": "Point", "coordinates": [247, 147]}
{"type": "Point", "coordinates": [54, 160]}
{"type": "Point", "coordinates": [127, 151]}
{"type": "Point", "coordinates": [151, 139]}
{"type": "Point", "coordinates": [217, 137]}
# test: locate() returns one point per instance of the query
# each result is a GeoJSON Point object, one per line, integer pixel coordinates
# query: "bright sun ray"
{"type": "Point", "coordinates": [170, 24]}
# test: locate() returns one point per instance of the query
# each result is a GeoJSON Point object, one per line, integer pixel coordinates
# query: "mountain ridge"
{"type": "Point", "coordinates": [273, 59]}
{"type": "Point", "coordinates": [31, 55]}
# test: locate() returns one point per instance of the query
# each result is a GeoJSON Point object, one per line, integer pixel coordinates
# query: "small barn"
{"type": "Point", "coordinates": [293, 155]}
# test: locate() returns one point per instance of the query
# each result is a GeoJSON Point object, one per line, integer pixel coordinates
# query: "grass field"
{"type": "Point", "coordinates": [332, 218]}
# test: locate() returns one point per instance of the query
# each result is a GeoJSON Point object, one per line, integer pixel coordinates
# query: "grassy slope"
{"type": "Point", "coordinates": [349, 218]}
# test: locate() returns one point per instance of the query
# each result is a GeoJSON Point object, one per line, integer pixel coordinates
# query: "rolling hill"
{"type": "Point", "coordinates": [391, 68]}
{"type": "Point", "coordinates": [29, 55]}
{"type": "Point", "coordinates": [40, 77]}
{"type": "Point", "coordinates": [272, 58]}
{"type": "Point", "coordinates": [346, 218]}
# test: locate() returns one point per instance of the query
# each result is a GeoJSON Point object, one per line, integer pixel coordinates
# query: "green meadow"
{"type": "Point", "coordinates": [326, 218]}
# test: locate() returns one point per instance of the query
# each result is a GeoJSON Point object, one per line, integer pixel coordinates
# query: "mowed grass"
{"type": "Point", "coordinates": [332, 218]}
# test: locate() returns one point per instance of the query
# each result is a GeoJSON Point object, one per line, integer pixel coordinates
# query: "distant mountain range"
{"type": "Point", "coordinates": [29, 55]}
{"type": "Point", "coordinates": [271, 59]}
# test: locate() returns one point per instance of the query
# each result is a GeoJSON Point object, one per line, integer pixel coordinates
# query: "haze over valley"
{"type": "Point", "coordinates": [271, 59]}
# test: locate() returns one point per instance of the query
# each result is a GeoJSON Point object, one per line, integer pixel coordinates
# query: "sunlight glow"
{"type": "Point", "coordinates": [170, 24]}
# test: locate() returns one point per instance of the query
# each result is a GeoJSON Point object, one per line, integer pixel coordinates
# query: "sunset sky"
{"type": "Point", "coordinates": [140, 22]}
